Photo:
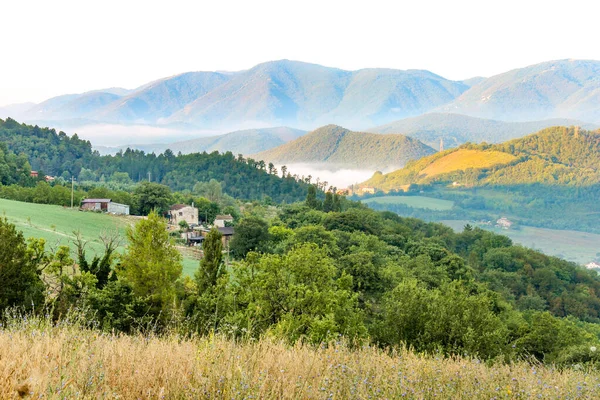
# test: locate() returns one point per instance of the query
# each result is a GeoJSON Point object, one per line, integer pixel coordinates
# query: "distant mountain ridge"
{"type": "Point", "coordinates": [245, 142]}
{"type": "Point", "coordinates": [553, 156]}
{"type": "Point", "coordinates": [304, 95]}
{"type": "Point", "coordinates": [553, 89]}
{"type": "Point", "coordinates": [338, 147]}
{"type": "Point", "coordinates": [456, 129]}
{"type": "Point", "coordinates": [280, 92]}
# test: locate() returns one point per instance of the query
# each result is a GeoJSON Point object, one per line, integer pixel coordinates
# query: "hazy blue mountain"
{"type": "Point", "coordinates": [338, 147]}
{"type": "Point", "coordinates": [161, 98]}
{"type": "Point", "coordinates": [293, 93]}
{"type": "Point", "coordinates": [554, 89]}
{"type": "Point", "coordinates": [456, 129]}
{"type": "Point", "coordinates": [245, 142]}
{"type": "Point", "coordinates": [303, 94]}
{"type": "Point", "coordinates": [71, 106]}
{"type": "Point", "coordinates": [473, 81]}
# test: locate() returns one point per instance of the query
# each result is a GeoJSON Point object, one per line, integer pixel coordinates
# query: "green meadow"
{"type": "Point", "coordinates": [413, 201]}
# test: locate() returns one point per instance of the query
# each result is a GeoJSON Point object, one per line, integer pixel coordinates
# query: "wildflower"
{"type": "Point", "coordinates": [593, 349]}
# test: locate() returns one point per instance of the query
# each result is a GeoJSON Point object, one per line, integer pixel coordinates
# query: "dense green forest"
{"type": "Point", "coordinates": [321, 271]}
{"type": "Point", "coordinates": [59, 155]}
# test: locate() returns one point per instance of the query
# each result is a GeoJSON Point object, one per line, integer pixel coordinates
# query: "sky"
{"type": "Point", "coordinates": [56, 47]}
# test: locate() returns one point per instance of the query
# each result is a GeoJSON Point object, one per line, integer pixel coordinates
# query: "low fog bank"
{"type": "Point", "coordinates": [340, 178]}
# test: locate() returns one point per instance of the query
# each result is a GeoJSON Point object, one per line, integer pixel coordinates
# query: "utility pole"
{"type": "Point", "coordinates": [149, 176]}
{"type": "Point", "coordinates": [72, 190]}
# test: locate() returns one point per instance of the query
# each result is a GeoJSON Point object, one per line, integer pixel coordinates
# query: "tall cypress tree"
{"type": "Point", "coordinates": [210, 265]}
{"type": "Point", "coordinates": [311, 198]}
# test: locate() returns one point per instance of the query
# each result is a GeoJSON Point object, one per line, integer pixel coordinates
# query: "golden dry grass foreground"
{"type": "Point", "coordinates": [69, 362]}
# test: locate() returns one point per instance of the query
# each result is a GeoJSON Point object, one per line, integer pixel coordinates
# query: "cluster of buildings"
{"type": "Point", "coordinates": [196, 233]}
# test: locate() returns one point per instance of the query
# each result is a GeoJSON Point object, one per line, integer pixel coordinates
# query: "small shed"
{"type": "Point", "coordinates": [227, 233]}
{"type": "Point", "coordinates": [95, 204]}
{"type": "Point", "coordinates": [105, 205]}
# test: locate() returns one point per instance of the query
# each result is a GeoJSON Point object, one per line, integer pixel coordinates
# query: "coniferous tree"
{"type": "Point", "coordinates": [311, 198]}
{"type": "Point", "coordinates": [328, 203]}
{"type": "Point", "coordinates": [210, 265]}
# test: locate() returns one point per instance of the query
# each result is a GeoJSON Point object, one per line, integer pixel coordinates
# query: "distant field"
{"type": "Point", "coordinates": [580, 247]}
{"type": "Point", "coordinates": [56, 224]}
{"type": "Point", "coordinates": [464, 159]}
{"type": "Point", "coordinates": [413, 201]}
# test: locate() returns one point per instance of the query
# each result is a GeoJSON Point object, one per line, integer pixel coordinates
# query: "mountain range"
{"type": "Point", "coordinates": [456, 129]}
{"type": "Point", "coordinates": [553, 156]}
{"type": "Point", "coordinates": [306, 96]}
{"type": "Point", "coordinates": [341, 148]}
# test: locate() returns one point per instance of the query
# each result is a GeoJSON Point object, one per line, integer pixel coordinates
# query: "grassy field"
{"type": "Point", "coordinates": [413, 201]}
{"type": "Point", "coordinates": [580, 247]}
{"type": "Point", "coordinates": [65, 361]}
{"type": "Point", "coordinates": [464, 159]}
{"type": "Point", "coordinates": [56, 225]}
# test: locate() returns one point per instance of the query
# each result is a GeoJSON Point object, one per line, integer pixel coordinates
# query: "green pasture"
{"type": "Point", "coordinates": [413, 201]}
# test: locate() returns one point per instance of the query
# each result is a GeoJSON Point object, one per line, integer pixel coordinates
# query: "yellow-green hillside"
{"type": "Point", "coordinates": [463, 159]}
{"type": "Point", "coordinates": [342, 148]}
{"type": "Point", "coordinates": [558, 155]}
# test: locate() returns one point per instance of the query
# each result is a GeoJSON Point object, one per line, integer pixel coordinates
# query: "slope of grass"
{"type": "Point", "coordinates": [413, 201]}
{"type": "Point", "coordinates": [464, 159]}
{"type": "Point", "coordinates": [67, 361]}
{"type": "Point", "coordinates": [56, 225]}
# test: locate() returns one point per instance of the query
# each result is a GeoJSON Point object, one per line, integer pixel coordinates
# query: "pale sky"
{"type": "Point", "coordinates": [56, 47]}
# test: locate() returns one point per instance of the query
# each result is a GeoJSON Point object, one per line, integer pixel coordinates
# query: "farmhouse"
{"type": "Point", "coordinates": [220, 220]}
{"type": "Point", "coordinates": [183, 212]}
{"type": "Point", "coordinates": [104, 205]}
{"type": "Point", "coordinates": [504, 223]}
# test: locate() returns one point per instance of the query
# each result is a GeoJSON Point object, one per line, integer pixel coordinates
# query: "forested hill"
{"type": "Point", "coordinates": [59, 155]}
{"type": "Point", "coordinates": [46, 150]}
{"type": "Point", "coordinates": [557, 155]}
{"type": "Point", "coordinates": [340, 147]}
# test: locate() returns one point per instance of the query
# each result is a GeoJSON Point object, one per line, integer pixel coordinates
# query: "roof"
{"type": "Point", "coordinates": [226, 231]}
{"type": "Point", "coordinates": [224, 216]}
{"type": "Point", "coordinates": [179, 207]}
{"type": "Point", "coordinates": [96, 200]}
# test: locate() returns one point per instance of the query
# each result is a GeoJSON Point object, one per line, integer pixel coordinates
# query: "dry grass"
{"type": "Point", "coordinates": [71, 362]}
{"type": "Point", "coordinates": [464, 159]}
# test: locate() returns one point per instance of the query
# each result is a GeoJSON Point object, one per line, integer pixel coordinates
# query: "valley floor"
{"type": "Point", "coordinates": [579, 247]}
{"type": "Point", "coordinates": [72, 362]}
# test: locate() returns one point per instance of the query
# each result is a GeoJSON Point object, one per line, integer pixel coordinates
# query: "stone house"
{"type": "Point", "coordinates": [183, 212]}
